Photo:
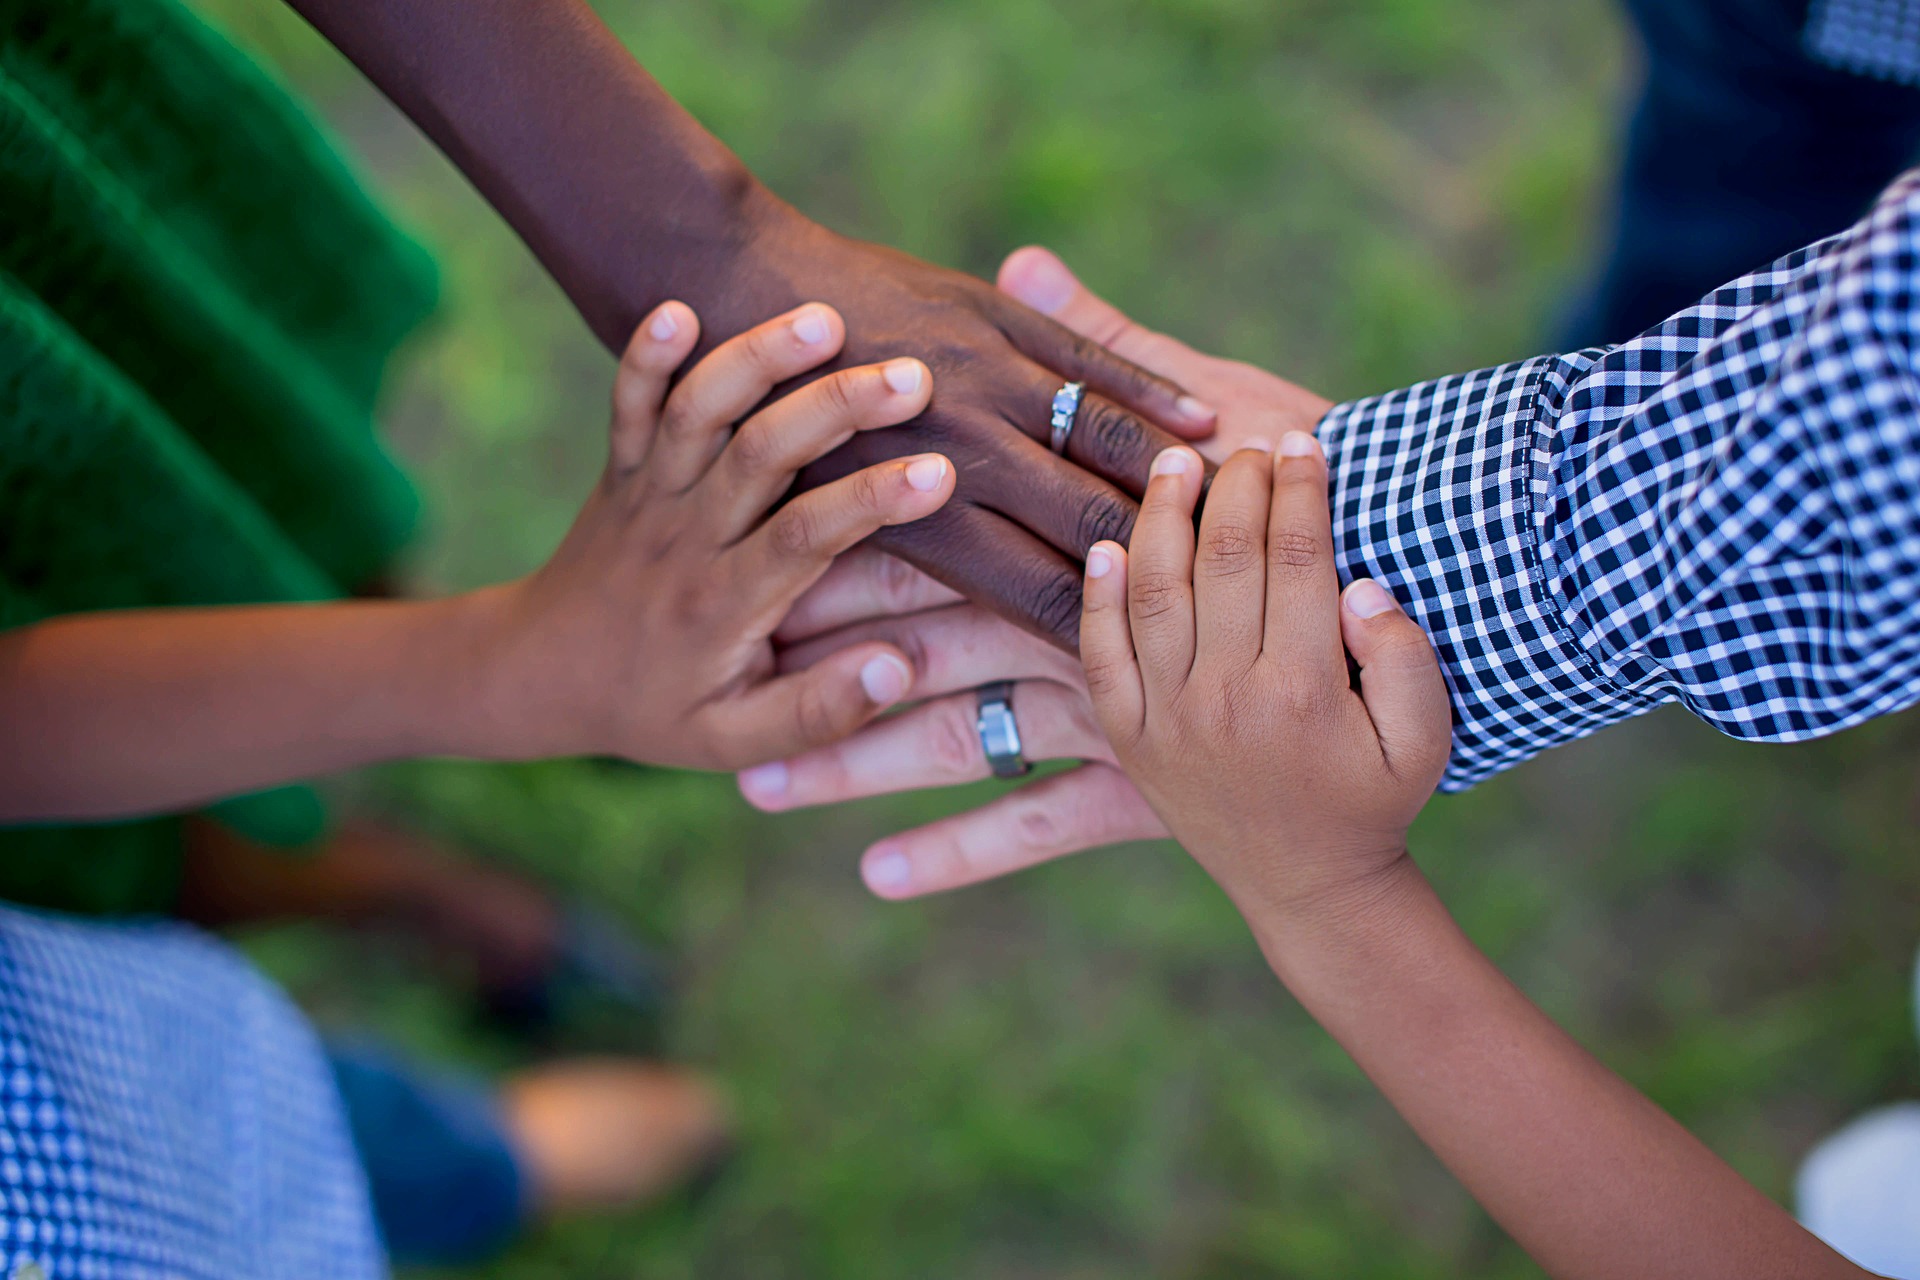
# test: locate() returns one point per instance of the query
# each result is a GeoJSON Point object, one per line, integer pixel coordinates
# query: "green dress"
{"type": "Point", "coordinates": [197, 304]}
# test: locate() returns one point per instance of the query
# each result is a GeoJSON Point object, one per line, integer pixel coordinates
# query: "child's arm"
{"type": "Point", "coordinates": [646, 635]}
{"type": "Point", "coordinates": [1218, 670]}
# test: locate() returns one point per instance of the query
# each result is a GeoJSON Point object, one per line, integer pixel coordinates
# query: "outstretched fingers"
{"type": "Point", "coordinates": [1302, 630]}
{"type": "Point", "coordinates": [789, 553]}
{"type": "Point", "coordinates": [759, 464]}
{"type": "Point", "coordinates": [1058, 815]}
{"type": "Point", "coordinates": [1160, 572]}
{"type": "Point", "coordinates": [813, 708]}
{"type": "Point", "coordinates": [1107, 650]}
{"type": "Point", "coordinates": [659, 346]}
{"type": "Point", "coordinates": [934, 744]}
{"type": "Point", "coordinates": [734, 377]}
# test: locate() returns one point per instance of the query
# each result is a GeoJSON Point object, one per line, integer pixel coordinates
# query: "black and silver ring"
{"type": "Point", "coordinates": [1066, 408]}
{"type": "Point", "coordinates": [999, 735]}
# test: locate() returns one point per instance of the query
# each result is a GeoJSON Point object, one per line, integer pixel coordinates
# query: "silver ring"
{"type": "Point", "coordinates": [999, 734]}
{"type": "Point", "coordinates": [1066, 408]}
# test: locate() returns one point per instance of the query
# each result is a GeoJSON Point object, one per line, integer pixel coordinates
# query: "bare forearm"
{"type": "Point", "coordinates": [621, 193]}
{"type": "Point", "coordinates": [119, 714]}
{"type": "Point", "coordinates": [1593, 1179]}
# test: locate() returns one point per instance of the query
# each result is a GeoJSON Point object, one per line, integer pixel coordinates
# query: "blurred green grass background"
{"type": "Point", "coordinates": [1086, 1071]}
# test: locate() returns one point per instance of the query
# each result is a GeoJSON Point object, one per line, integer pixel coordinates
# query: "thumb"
{"type": "Point", "coordinates": [1399, 680]}
{"type": "Point", "coordinates": [1037, 277]}
{"type": "Point", "coordinates": [818, 706]}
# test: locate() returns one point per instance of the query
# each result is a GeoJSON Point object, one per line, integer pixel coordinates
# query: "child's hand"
{"type": "Point", "coordinates": [1221, 680]}
{"type": "Point", "coordinates": [646, 636]}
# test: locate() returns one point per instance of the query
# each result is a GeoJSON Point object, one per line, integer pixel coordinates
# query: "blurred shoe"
{"type": "Point", "coordinates": [598, 1134]}
{"type": "Point", "coordinates": [597, 975]}
{"type": "Point", "coordinates": [535, 962]}
{"type": "Point", "coordinates": [1860, 1189]}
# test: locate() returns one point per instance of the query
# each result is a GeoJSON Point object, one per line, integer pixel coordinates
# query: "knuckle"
{"type": "Point", "coordinates": [1105, 517]}
{"type": "Point", "coordinates": [899, 584]}
{"type": "Point", "coordinates": [686, 413]}
{"type": "Point", "coordinates": [953, 745]}
{"type": "Point", "coordinates": [1120, 373]}
{"type": "Point", "coordinates": [1302, 699]}
{"type": "Point", "coordinates": [757, 448]}
{"type": "Point", "coordinates": [1039, 827]}
{"type": "Point", "coordinates": [871, 488]}
{"type": "Point", "coordinates": [1292, 547]}
{"type": "Point", "coordinates": [841, 394]}
{"type": "Point", "coordinates": [1055, 604]}
{"type": "Point", "coordinates": [1155, 593]}
{"type": "Point", "coordinates": [1105, 674]}
{"type": "Point", "coordinates": [794, 531]}
{"type": "Point", "coordinates": [765, 352]}
{"type": "Point", "coordinates": [1111, 435]}
{"type": "Point", "coordinates": [1406, 646]}
{"type": "Point", "coordinates": [1230, 548]}
{"type": "Point", "coordinates": [913, 642]}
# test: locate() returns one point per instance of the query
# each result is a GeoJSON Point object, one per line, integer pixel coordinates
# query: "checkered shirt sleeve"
{"type": "Point", "coordinates": [1724, 512]}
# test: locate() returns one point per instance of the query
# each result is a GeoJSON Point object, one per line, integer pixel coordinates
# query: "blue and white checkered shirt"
{"type": "Point", "coordinates": [166, 1112]}
{"type": "Point", "coordinates": [1723, 512]}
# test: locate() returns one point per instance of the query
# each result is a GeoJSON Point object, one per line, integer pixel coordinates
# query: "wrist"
{"type": "Point", "coordinates": [473, 671]}
{"type": "Point", "coordinates": [1345, 928]}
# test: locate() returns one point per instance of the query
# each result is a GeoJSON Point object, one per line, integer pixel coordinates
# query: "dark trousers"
{"type": "Point", "coordinates": [1740, 149]}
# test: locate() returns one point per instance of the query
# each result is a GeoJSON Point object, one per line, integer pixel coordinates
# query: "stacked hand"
{"type": "Point", "coordinates": [957, 647]}
{"type": "Point", "coordinates": [1022, 518]}
{"type": "Point", "coordinates": [648, 634]}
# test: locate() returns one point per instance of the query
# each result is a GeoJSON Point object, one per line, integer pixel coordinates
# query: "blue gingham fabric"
{"type": "Point", "coordinates": [1724, 511]}
{"type": "Point", "coordinates": [1879, 38]}
{"type": "Point", "coordinates": [165, 1112]}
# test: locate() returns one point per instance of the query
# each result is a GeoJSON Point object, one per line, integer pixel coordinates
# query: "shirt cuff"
{"type": "Point", "coordinates": [1436, 491]}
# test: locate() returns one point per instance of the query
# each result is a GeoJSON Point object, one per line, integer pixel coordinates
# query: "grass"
{"type": "Point", "coordinates": [1086, 1071]}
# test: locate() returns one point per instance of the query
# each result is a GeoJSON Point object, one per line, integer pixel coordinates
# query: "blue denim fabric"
{"type": "Point", "coordinates": [446, 1185]}
{"type": "Point", "coordinates": [1740, 149]}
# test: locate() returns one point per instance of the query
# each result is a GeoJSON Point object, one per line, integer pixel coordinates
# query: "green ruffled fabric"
{"type": "Point", "coordinates": [197, 305]}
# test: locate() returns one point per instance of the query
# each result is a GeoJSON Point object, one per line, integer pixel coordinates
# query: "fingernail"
{"type": "Point", "coordinates": [663, 326]}
{"type": "Point", "coordinates": [1298, 444]}
{"type": "Point", "coordinates": [1368, 599]}
{"type": "Point", "coordinates": [811, 326]}
{"type": "Point", "coordinates": [885, 678]}
{"type": "Point", "coordinates": [1260, 443]}
{"type": "Point", "coordinates": [1195, 411]}
{"type": "Point", "coordinates": [927, 474]}
{"type": "Point", "coordinates": [1172, 462]}
{"type": "Point", "coordinates": [1099, 563]}
{"type": "Point", "coordinates": [1044, 284]}
{"type": "Point", "coordinates": [765, 782]}
{"type": "Point", "coordinates": [887, 869]}
{"type": "Point", "coordinates": [902, 376]}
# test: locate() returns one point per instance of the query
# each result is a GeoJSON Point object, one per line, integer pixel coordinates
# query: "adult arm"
{"type": "Point", "coordinates": [629, 202]}
{"type": "Point", "coordinates": [1722, 512]}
